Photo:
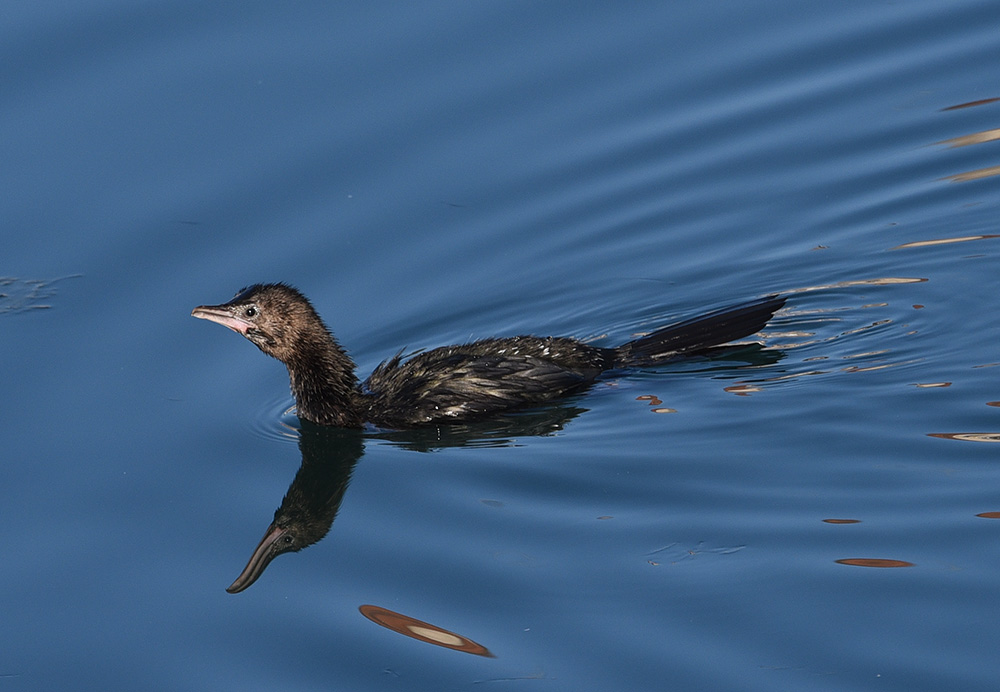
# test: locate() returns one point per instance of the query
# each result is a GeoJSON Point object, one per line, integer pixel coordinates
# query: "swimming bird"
{"type": "Point", "coordinates": [453, 383]}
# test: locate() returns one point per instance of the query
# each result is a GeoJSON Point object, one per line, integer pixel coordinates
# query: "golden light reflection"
{"type": "Point", "coordinates": [982, 137]}
{"type": "Point", "coordinates": [655, 401]}
{"type": "Point", "coordinates": [422, 631]}
{"type": "Point", "coordinates": [931, 385]}
{"type": "Point", "coordinates": [742, 389]}
{"type": "Point", "coordinates": [878, 359]}
{"type": "Point", "coordinates": [944, 241]}
{"type": "Point", "coordinates": [873, 562]}
{"type": "Point", "coordinates": [970, 104]}
{"type": "Point", "coordinates": [977, 174]}
{"type": "Point", "coordinates": [974, 138]}
{"type": "Point", "coordinates": [866, 354]}
{"type": "Point", "coordinates": [968, 437]}
{"type": "Point", "coordinates": [882, 281]}
{"type": "Point", "coordinates": [872, 368]}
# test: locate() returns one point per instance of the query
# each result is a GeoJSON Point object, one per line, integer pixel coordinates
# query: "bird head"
{"type": "Point", "coordinates": [276, 318]}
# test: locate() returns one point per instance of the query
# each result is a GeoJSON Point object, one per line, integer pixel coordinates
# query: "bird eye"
{"type": "Point", "coordinates": [250, 311]}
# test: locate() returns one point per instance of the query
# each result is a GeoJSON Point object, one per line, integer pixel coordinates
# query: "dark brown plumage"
{"type": "Point", "coordinates": [452, 383]}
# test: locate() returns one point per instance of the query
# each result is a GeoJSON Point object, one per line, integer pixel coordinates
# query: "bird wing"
{"type": "Point", "coordinates": [450, 384]}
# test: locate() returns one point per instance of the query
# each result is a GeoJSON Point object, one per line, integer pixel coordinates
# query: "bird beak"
{"type": "Point", "coordinates": [222, 315]}
{"type": "Point", "coordinates": [268, 549]}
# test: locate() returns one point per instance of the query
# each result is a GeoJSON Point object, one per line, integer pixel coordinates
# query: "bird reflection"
{"type": "Point", "coordinates": [329, 455]}
{"type": "Point", "coordinates": [311, 503]}
{"type": "Point", "coordinates": [500, 431]}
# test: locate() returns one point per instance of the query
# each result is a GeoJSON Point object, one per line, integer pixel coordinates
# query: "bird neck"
{"type": "Point", "coordinates": [324, 384]}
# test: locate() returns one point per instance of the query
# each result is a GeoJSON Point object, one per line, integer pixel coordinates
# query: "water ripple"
{"type": "Point", "coordinates": [275, 420]}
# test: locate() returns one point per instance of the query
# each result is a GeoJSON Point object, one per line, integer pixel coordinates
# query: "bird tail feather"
{"type": "Point", "coordinates": [699, 333]}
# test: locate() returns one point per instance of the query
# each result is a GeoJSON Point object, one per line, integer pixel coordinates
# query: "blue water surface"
{"type": "Point", "coordinates": [437, 172]}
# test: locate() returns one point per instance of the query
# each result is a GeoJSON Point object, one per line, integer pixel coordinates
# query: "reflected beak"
{"type": "Point", "coordinates": [270, 547]}
{"type": "Point", "coordinates": [222, 315]}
